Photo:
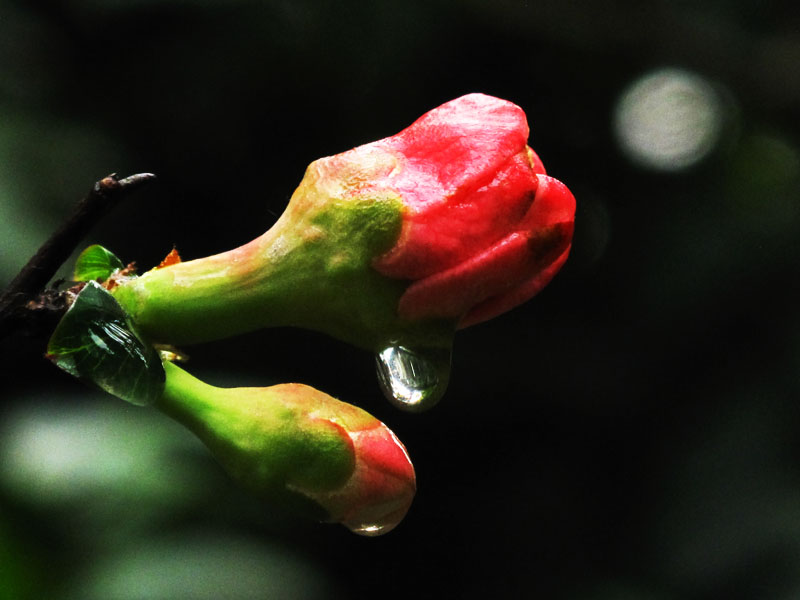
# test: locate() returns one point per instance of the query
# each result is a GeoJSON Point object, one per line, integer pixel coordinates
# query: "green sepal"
{"type": "Point", "coordinates": [96, 262]}
{"type": "Point", "coordinates": [96, 342]}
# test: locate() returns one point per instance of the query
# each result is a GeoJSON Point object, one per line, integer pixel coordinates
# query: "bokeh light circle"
{"type": "Point", "coordinates": [668, 119]}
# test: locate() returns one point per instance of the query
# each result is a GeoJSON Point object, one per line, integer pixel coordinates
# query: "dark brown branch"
{"type": "Point", "coordinates": [41, 268]}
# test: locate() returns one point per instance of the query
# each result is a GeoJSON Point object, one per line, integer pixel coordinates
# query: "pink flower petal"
{"type": "Point", "coordinates": [508, 273]}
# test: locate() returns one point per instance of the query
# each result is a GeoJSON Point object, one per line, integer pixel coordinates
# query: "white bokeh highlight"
{"type": "Point", "coordinates": [668, 120]}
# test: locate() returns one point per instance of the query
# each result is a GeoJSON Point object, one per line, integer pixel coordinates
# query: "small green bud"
{"type": "Point", "coordinates": [299, 447]}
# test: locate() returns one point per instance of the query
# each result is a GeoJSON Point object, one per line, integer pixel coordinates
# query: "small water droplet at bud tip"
{"type": "Point", "coordinates": [368, 530]}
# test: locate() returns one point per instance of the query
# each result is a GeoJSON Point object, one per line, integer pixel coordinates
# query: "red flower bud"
{"type": "Point", "coordinates": [484, 229]}
{"type": "Point", "coordinates": [394, 243]}
{"type": "Point", "coordinates": [379, 491]}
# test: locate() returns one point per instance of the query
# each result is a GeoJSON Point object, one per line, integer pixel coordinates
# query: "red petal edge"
{"type": "Point", "coordinates": [505, 275]}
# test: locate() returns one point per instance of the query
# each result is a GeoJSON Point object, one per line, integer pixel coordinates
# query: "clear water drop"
{"type": "Point", "coordinates": [377, 524]}
{"type": "Point", "coordinates": [413, 380]}
{"type": "Point", "coordinates": [370, 530]}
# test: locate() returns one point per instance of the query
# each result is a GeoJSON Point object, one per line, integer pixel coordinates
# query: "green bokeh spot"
{"type": "Point", "coordinates": [96, 263]}
{"type": "Point", "coordinates": [96, 342]}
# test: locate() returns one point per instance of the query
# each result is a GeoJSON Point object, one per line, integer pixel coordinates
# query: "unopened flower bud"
{"type": "Point", "coordinates": [400, 241]}
{"type": "Point", "coordinates": [299, 447]}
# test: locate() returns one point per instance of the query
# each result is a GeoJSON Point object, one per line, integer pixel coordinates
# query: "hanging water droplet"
{"type": "Point", "coordinates": [372, 530]}
{"type": "Point", "coordinates": [377, 526]}
{"type": "Point", "coordinates": [411, 380]}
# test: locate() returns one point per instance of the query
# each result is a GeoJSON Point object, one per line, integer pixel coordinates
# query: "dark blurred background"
{"type": "Point", "coordinates": [631, 434]}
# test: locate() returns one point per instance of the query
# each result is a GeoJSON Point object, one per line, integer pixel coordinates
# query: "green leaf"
{"type": "Point", "coordinates": [96, 263]}
{"type": "Point", "coordinates": [96, 342]}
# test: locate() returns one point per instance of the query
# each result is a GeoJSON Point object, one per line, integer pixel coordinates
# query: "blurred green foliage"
{"type": "Point", "coordinates": [631, 433]}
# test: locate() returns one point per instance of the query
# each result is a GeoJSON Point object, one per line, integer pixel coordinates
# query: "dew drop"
{"type": "Point", "coordinates": [375, 525]}
{"type": "Point", "coordinates": [411, 380]}
{"type": "Point", "coordinates": [367, 530]}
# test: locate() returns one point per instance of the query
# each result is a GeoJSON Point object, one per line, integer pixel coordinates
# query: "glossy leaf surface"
{"type": "Point", "coordinates": [96, 262]}
{"type": "Point", "coordinates": [96, 342]}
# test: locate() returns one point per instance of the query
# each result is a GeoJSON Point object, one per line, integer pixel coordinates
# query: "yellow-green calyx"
{"type": "Point", "coordinates": [296, 446]}
{"type": "Point", "coordinates": [312, 269]}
